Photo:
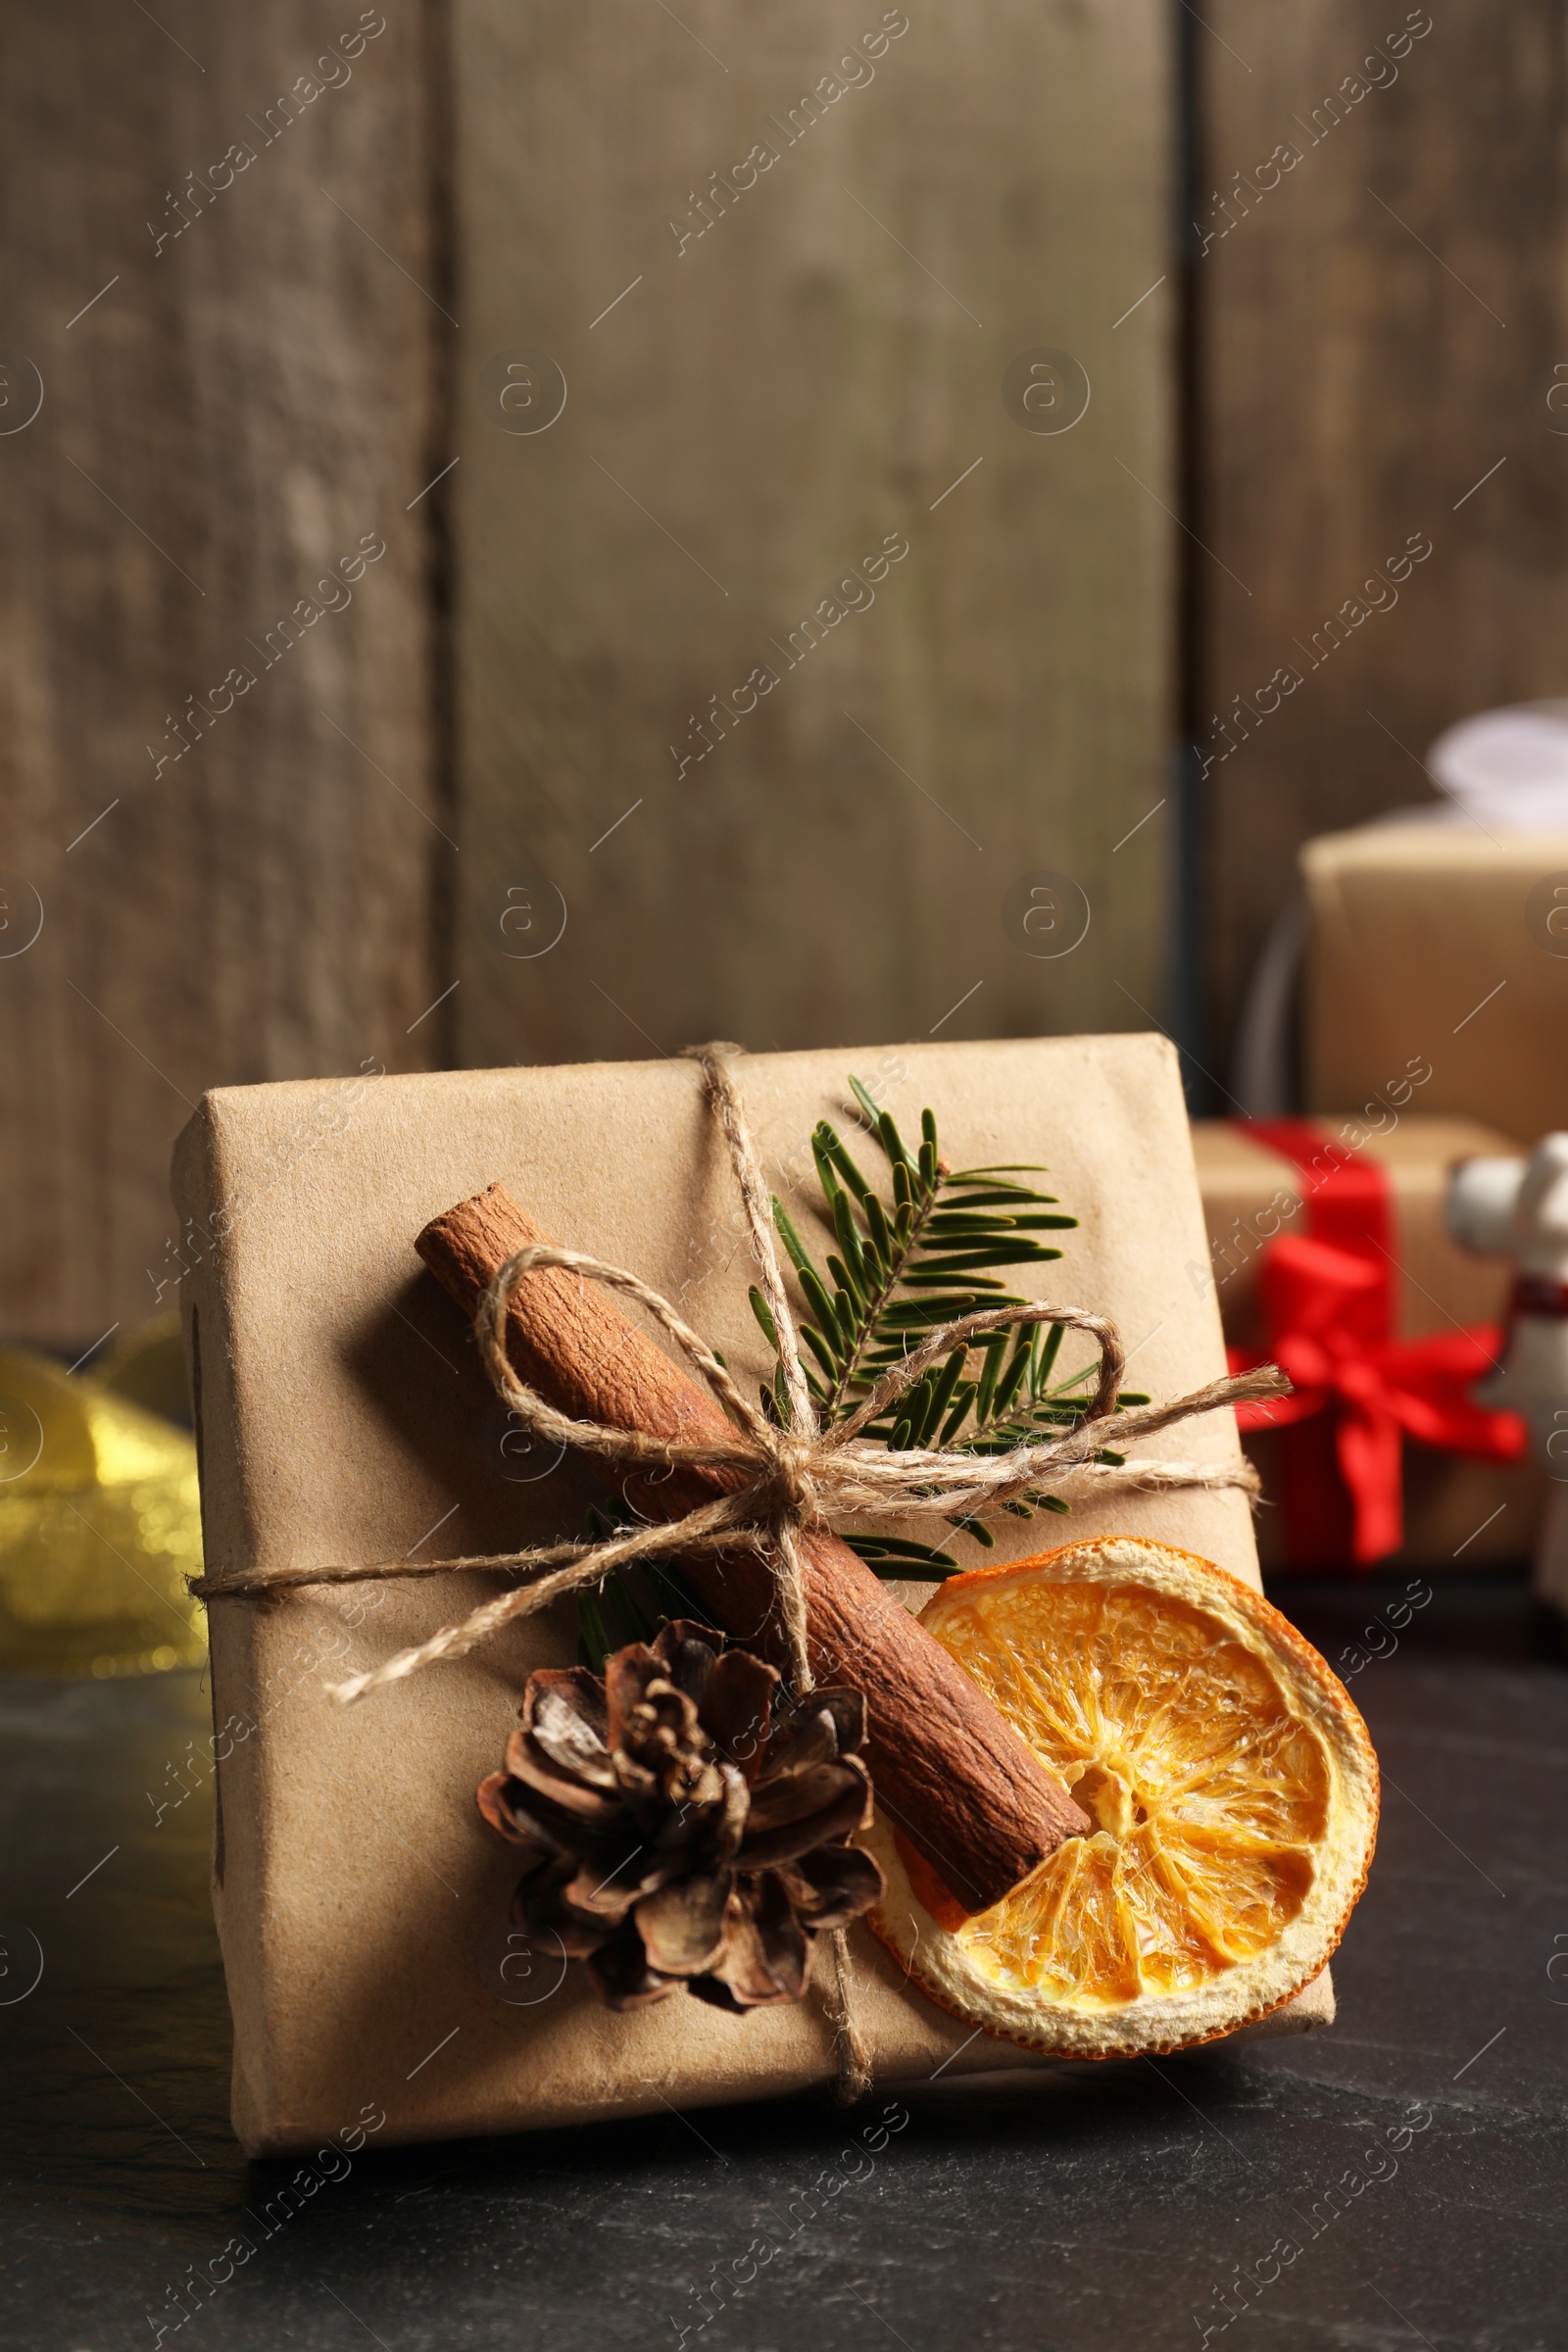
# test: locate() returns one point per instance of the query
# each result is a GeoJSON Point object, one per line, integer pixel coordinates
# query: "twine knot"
{"type": "Point", "coordinates": [788, 1488]}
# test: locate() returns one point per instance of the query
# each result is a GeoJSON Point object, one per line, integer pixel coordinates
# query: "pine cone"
{"type": "Point", "coordinates": [682, 1830]}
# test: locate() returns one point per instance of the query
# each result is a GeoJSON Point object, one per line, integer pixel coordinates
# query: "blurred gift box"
{"type": "Point", "coordinates": [1328, 1252]}
{"type": "Point", "coordinates": [1448, 944]}
{"type": "Point", "coordinates": [1442, 932]}
{"type": "Point", "coordinates": [1436, 933]}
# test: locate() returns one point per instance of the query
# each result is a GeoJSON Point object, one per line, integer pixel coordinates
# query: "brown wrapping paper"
{"type": "Point", "coordinates": [1459, 1514]}
{"type": "Point", "coordinates": [1440, 943]}
{"type": "Point", "coordinates": [342, 1416]}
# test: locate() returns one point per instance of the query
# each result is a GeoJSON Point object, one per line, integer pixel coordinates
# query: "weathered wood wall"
{"type": "Point", "coordinates": [783, 336]}
{"type": "Point", "coordinates": [220, 289]}
{"type": "Point", "coordinates": [1383, 314]}
{"type": "Point", "coordinates": [807, 363]}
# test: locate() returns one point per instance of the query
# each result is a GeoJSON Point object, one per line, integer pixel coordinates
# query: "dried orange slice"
{"type": "Point", "coordinates": [1232, 1780]}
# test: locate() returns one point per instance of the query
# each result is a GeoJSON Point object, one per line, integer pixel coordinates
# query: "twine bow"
{"type": "Point", "coordinates": [793, 1478]}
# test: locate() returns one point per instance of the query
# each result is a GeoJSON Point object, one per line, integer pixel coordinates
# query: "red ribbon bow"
{"type": "Point", "coordinates": [1328, 1304]}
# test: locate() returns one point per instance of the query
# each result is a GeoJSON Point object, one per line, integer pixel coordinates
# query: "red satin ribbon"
{"type": "Point", "coordinates": [1329, 1306]}
{"type": "Point", "coordinates": [1539, 1294]}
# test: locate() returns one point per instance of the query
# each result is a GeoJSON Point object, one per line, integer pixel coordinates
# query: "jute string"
{"type": "Point", "coordinates": [796, 1477]}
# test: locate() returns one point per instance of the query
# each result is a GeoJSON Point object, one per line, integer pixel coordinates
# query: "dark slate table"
{"type": "Point", "coordinates": [1397, 2182]}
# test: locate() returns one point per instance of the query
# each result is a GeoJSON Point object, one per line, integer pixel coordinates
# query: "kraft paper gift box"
{"type": "Point", "coordinates": [1437, 941]}
{"type": "Point", "coordinates": [1458, 1512]}
{"type": "Point", "coordinates": [342, 1416]}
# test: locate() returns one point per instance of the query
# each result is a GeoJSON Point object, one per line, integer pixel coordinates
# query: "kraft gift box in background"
{"type": "Point", "coordinates": [1441, 931]}
{"type": "Point", "coordinates": [342, 1416]}
{"type": "Point", "coordinates": [1459, 1511]}
{"type": "Point", "coordinates": [1442, 942]}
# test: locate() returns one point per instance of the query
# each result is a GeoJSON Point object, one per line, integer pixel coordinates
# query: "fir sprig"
{"type": "Point", "coordinates": [900, 1270]}
{"type": "Point", "coordinates": [905, 1269]}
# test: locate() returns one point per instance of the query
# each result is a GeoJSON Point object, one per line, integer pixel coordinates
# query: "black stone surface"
{"type": "Point", "coordinates": [1414, 2158]}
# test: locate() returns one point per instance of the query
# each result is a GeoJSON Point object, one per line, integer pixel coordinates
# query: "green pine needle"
{"type": "Point", "coordinates": [887, 1556]}
{"type": "Point", "coordinates": [904, 1265]}
{"type": "Point", "coordinates": [595, 1644]}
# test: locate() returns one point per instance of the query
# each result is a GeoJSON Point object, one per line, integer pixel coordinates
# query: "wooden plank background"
{"type": "Point", "coordinates": [249, 371]}
{"type": "Point", "coordinates": [759, 397]}
{"type": "Point", "coordinates": [240, 374]}
{"type": "Point", "coordinates": [1379, 326]}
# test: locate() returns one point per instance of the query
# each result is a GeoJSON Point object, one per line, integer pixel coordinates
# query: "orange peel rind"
{"type": "Point", "coordinates": [1231, 1779]}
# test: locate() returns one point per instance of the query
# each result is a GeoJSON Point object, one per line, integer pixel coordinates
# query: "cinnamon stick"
{"type": "Point", "coordinates": [955, 1778]}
